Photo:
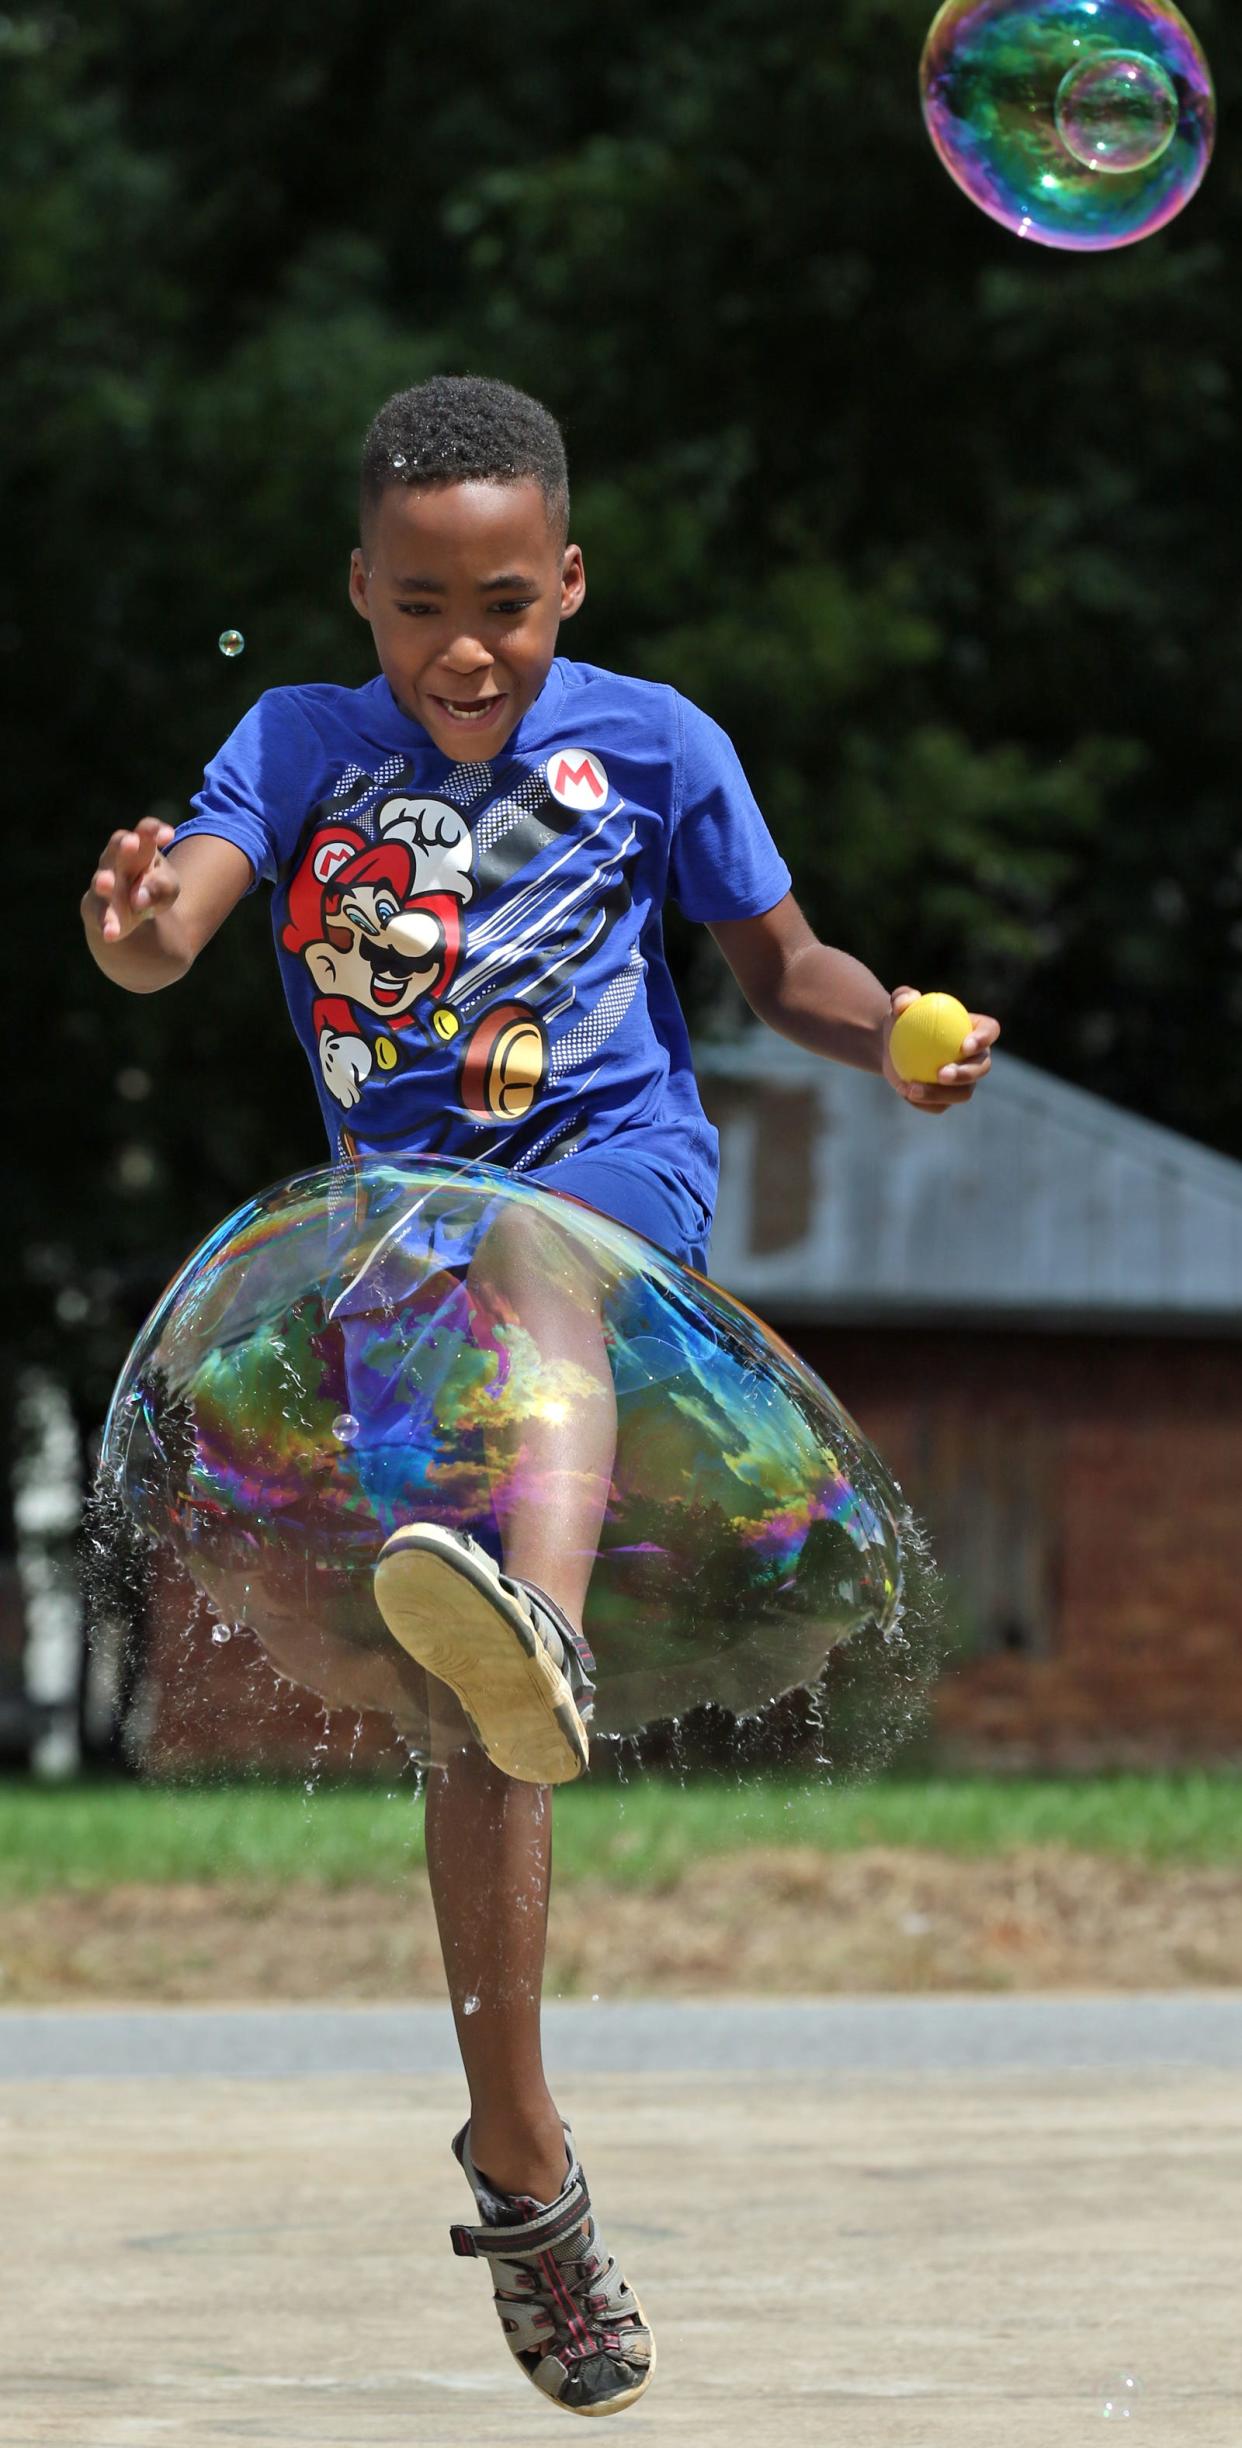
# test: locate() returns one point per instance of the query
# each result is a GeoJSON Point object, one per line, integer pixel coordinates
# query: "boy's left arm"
{"type": "Point", "coordinates": [829, 1002]}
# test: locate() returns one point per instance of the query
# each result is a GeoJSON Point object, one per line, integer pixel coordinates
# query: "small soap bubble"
{"type": "Point", "coordinates": [231, 643]}
{"type": "Point", "coordinates": [1117, 112]}
{"type": "Point", "coordinates": [471, 2005]}
{"type": "Point", "coordinates": [398, 459]}
{"type": "Point", "coordinates": [1121, 2398]}
{"type": "Point", "coordinates": [221, 1633]}
{"type": "Point", "coordinates": [345, 1428]}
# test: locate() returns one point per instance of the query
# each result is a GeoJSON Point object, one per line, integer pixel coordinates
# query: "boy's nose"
{"type": "Point", "coordinates": [467, 655]}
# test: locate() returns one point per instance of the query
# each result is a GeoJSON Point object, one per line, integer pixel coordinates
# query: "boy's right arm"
{"type": "Point", "coordinates": [147, 915]}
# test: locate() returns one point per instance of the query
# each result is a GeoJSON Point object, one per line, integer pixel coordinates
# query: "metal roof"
{"type": "Point", "coordinates": [1036, 1203]}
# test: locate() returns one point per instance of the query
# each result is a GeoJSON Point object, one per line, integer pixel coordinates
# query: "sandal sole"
{"type": "Point", "coordinates": [442, 1607]}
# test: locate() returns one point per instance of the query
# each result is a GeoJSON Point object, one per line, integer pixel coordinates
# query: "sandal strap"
{"type": "Point", "coordinates": [527, 2240]}
{"type": "Point", "coordinates": [574, 1642]}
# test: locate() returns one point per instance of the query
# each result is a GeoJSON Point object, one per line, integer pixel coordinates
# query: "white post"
{"type": "Point", "coordinates": [47, 1510]}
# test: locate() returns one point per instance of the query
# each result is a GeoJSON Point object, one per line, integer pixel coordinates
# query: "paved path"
{"type": "Point", "coordinates": [915, 2236]}
{"type": "Point", "coordinates": [805, 2036]}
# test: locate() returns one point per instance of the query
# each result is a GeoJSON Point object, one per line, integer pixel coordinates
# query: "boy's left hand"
{"type": "Point", "coordinates": [955, 1082]}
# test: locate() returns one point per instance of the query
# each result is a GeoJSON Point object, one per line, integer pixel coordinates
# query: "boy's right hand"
{"type": "Point", "coordinates": [133, 881]}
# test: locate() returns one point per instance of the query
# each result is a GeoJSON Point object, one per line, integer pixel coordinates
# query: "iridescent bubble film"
{"type": "Point", "coordinates": [231, 643]}
{"type": "Point", "coordinates": [1081, 124]}
{"type": "Point", "coordinates": [360, 1349]}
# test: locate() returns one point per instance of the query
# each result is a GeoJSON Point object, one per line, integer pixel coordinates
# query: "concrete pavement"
{"type": "Point", "coordinates": [862, 2249]}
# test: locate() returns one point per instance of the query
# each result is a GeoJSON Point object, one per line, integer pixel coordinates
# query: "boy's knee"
{"type": "Point", "coordinates": [527, 1255]}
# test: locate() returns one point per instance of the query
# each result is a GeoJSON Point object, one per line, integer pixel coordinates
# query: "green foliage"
{"type": "Point", "coordinates": [941, 527]}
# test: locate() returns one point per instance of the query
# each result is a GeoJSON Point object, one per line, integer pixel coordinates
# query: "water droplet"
{"type": "Point", "coordinates": [221, 1633]}
{"type": "Point", "coordinates": [231, 643]}
{"type": "Point", "coordinates": [471, 2005]}
{"type": "Point", "coordinates": [345, 1428]}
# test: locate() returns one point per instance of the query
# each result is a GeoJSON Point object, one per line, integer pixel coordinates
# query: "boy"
{"type": "Point", "coordinates": [470, 856]}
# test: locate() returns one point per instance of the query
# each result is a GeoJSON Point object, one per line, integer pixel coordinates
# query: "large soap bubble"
{"type": "Point", "coordinates": [353, 1351]}
{"type": "Point", "coordinates": [1078, 123]}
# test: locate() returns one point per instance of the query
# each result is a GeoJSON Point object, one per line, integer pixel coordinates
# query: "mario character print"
{"type": "Point", "coordinates": [378, 923]}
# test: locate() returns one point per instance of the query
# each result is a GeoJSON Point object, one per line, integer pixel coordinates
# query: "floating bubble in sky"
{"type": "Point", "coordinates": [345, 1355]}
{"type": "Point", "coordinates": [231, 643]}
{"type": "Point", "coordinates": [1081, 124]}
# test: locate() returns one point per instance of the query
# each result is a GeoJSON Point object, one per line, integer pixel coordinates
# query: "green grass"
{"type": "Point", "coordinates": [95, 1835]}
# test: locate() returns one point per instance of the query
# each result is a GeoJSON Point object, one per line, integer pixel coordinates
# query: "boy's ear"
{"type": "Point", "coordinates": [358, 583]}
{"type": "Point", "coordinates": [573, 581]}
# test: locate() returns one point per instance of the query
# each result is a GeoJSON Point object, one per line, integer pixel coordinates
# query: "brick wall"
{"type": "Point", "coordinates": [220, 1704]}
{"type": "Point", "coordinates": [1114, 1467]}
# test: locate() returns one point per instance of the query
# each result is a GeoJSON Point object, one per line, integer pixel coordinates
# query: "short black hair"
{"type": "Point", "coordinates": [464, 429]}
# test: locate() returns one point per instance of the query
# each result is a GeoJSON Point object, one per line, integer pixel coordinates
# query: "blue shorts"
{"type": "Point", "coordinates": [396, 1355]}
{"type": "Point", "coordinates": [637, 1190]}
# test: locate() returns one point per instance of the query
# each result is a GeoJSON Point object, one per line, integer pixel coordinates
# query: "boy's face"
{"type": "Point", "coordinates": [465, 587]}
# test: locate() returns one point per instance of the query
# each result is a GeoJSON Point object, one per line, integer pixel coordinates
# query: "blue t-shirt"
{"type": "Point", "coordinates": [473, 954]}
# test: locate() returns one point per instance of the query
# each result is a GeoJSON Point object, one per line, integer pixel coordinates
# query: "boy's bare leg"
{"type": "Point", "coordinates": [544, 1296]}
{"type": "Point", "coordinates": [489, 1854]}
{"type": "Point", "coordinates": [489, 1838]}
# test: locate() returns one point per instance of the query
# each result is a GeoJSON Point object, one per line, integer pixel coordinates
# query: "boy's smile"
{"type": "Point", "coordinates": [465, 587]}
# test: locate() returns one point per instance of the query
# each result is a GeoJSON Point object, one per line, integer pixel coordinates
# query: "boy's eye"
{"type": "Point", "coordinates": [499, 611]}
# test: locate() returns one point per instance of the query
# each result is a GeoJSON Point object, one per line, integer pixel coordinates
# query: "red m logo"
{"type": "Point", "coordinates": [569, 778]}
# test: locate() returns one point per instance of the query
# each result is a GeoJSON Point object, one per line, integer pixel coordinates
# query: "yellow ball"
{"type": "Point", "coordinates": [927, 1034]}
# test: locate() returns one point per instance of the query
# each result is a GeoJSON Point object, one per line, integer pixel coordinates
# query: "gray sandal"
{"type": "Point", "coordinates": [570, 2320]}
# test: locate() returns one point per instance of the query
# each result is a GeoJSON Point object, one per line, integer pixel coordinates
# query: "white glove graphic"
{"type": "Point", "coordinates": [345, 1063]}
{"type": "Point", "coordinates": [439, 837]}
